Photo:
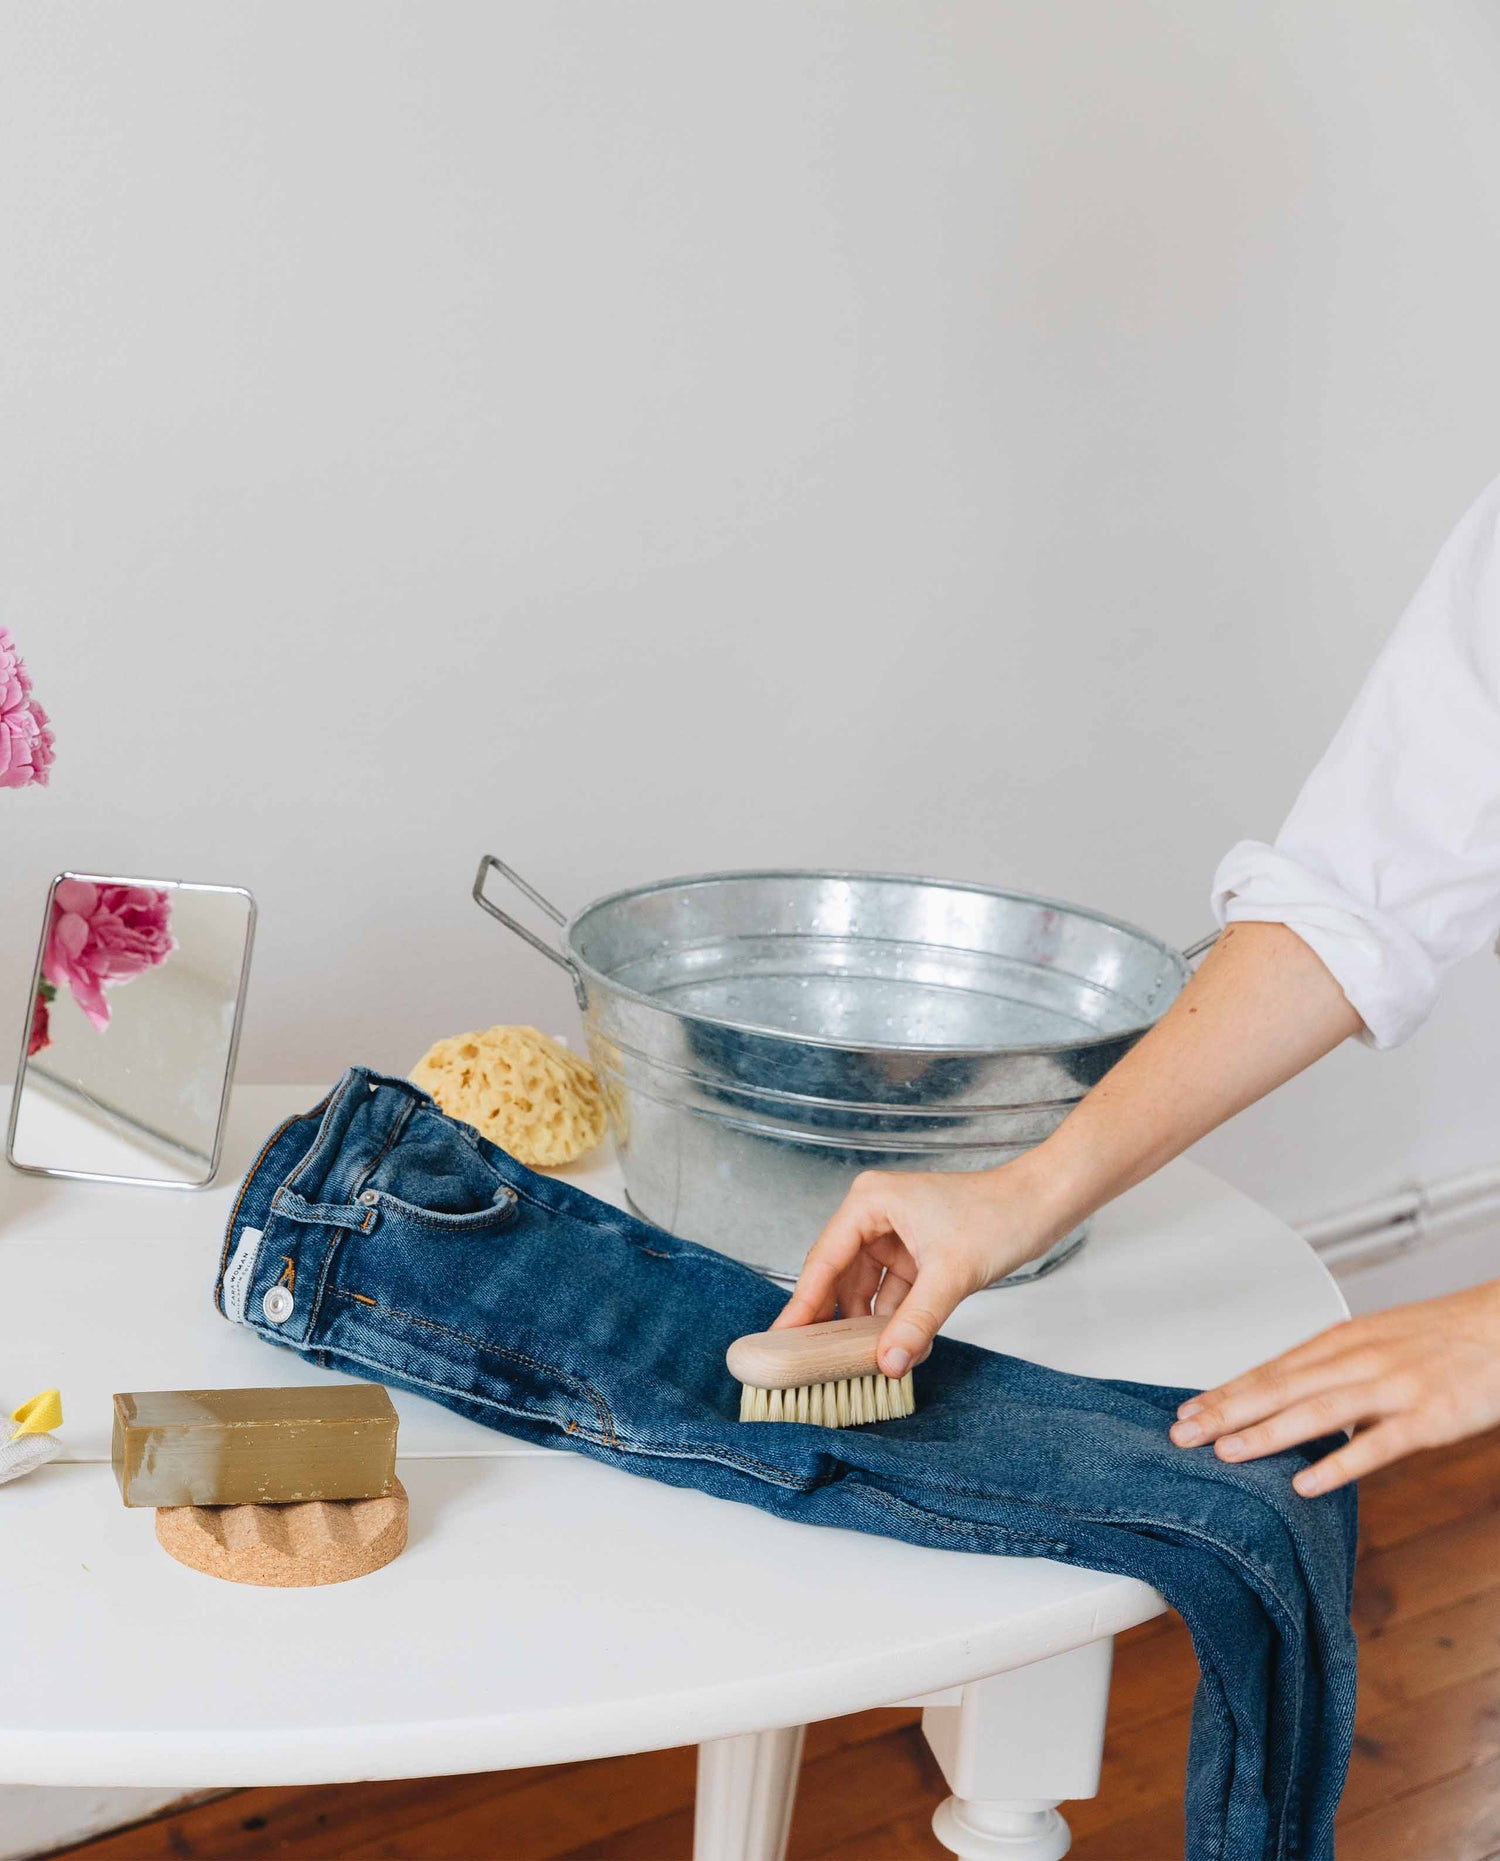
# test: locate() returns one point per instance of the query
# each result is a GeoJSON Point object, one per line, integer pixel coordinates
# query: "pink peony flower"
{"type": "Point", "coordinates": [102, 935]}
{"type": "Point", "coordinates": [25, 734]}
{"type": "Point", "coordinates": [41, 1031]}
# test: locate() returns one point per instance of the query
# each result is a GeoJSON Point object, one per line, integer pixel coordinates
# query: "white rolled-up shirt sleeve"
{"type": "Point", "coordinates": [1388, 865]}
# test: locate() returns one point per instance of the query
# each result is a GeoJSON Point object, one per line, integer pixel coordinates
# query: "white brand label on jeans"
{"type": "Point", "coordinates": [240, 1273]}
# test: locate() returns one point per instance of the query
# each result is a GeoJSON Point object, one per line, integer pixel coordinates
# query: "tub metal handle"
{"type": "Point", "coordinates": [489, 863]}
{"type": "Point", "coordinates": [1197, 949]}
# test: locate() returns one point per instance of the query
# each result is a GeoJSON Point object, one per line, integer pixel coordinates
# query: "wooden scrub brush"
{"type": "Point", "coordinates": [823, 1374]}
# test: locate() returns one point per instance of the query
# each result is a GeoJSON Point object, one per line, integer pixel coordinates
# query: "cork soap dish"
{"type": "Point", "coordinates": [287, 1546]}
{"type": "Point", "coordinates": [281, 1487]}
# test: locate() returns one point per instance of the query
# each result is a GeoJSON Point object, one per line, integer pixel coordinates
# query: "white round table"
{"type": "Point", "coordinates": [549, 1608]}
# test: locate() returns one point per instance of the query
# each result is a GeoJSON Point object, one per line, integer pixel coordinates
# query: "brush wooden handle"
{"type": "Point", "coordinates": [801, 1354]}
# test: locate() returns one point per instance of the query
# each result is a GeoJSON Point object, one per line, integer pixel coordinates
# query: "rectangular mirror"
{"type": "Point", "coordinates": [130, 1031]}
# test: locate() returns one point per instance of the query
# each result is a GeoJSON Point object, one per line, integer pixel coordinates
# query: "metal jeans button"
{"type": "Point", "coordinates": [277, 1305]}
{"type": "Point", "coordinates": [369, 1197]}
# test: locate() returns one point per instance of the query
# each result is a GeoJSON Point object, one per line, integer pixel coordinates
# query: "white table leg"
{"type": "Point", "coordinates": [746, 1788]}
{"type": "Point", "coordinates": [1013, 1748]}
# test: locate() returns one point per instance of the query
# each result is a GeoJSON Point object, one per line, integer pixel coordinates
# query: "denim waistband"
{"type": "Point", "coordinates": [312, 1170]}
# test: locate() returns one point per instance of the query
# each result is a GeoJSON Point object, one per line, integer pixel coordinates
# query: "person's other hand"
{"type": "Point", "coordinates": [914, 1245]}
{"type": "Point", "coordinates": [1409, 1378]}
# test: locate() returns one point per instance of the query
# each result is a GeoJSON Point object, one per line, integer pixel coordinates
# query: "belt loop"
{"type": "Point", "coordinates": [322, 1214]}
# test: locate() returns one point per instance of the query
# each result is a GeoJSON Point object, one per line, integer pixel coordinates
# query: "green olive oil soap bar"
{"type": "Point", "coordinates": [236, 1447]}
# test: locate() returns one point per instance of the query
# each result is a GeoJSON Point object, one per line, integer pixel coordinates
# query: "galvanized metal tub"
{"type": "Point", "coordinates": [765, 1036]}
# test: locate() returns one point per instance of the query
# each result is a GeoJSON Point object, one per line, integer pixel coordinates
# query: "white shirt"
{"type": "Point", "coordinates": [1389, 863]}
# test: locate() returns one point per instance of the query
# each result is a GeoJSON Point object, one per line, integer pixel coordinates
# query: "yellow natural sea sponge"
{"type": "Point", "coordinates": [520, 1088]}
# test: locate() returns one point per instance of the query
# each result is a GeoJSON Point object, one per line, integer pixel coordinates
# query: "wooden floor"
{"type": "Point", "coordinates": [1424, 1785]}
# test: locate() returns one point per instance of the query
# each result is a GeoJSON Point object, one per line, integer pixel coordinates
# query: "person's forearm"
{"type": "Point", "coordinates": [915, 1243]}
{"type": "Point", "coordinates": [1260, 1008]}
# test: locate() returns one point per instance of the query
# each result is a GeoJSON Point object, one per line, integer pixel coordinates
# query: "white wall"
{"type": "Point", "coordinates": [979, 438]}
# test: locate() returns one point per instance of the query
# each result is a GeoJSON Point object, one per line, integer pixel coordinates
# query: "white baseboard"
{"type": "Point", "coordinates": [1434, 1238]}
{"type": "Point", "coordinates": [35, 1819]}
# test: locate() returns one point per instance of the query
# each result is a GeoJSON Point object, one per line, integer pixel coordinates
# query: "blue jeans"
{"type": "Point", "coordinates": [377, 1236]}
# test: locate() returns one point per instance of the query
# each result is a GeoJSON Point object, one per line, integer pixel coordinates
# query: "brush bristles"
{"type": "Point", "coordinates": [849, 1404]}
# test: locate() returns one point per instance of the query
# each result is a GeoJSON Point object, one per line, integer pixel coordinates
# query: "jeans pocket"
{"type": "Point", "coordinates": [493, 1214]}
{"type": "Point", "coordinates": [435, 1177]}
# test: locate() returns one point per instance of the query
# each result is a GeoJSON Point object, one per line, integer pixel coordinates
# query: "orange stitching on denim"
{"type": "Point", "coordinates": [499, 1350]}
{"type": "Point", "coordinates": [363, 1298]}
{"type": "Point", "coordinates": [288, 1275]}
{"type": "Point", "coordinates": [721, 1456]}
